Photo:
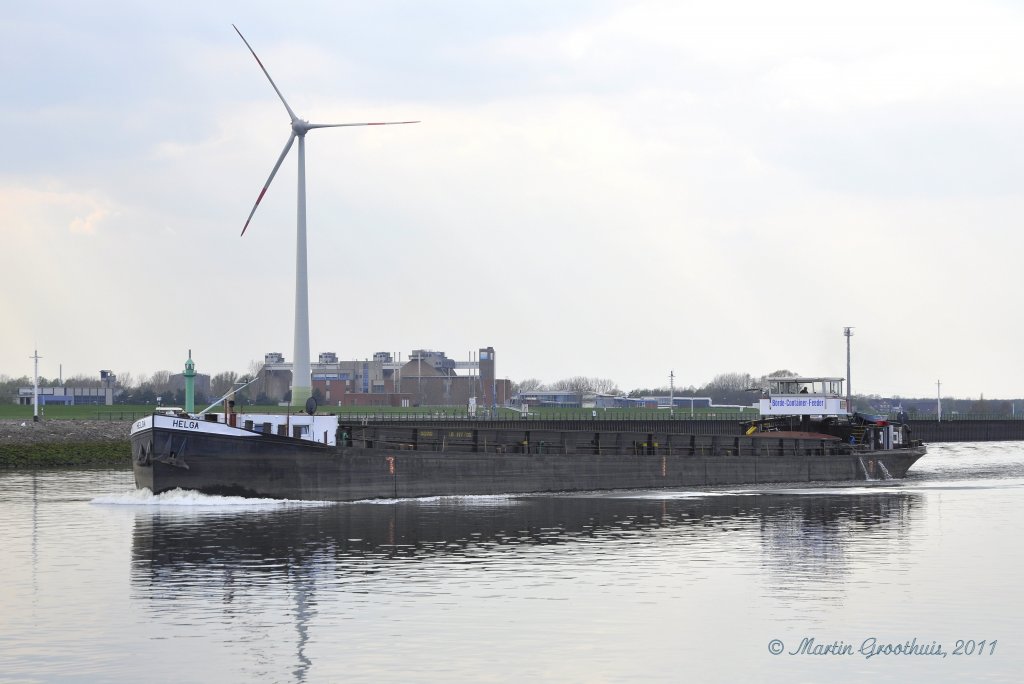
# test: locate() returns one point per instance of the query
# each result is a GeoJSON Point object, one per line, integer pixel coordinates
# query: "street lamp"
{"type": "Point", "coordinates": [848, 332]}
{"type": "Point", "coordinates": [35, 386]}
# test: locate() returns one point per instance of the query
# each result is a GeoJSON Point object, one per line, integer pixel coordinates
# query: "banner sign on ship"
{"type": "Point", "coordinates": [802, 405]}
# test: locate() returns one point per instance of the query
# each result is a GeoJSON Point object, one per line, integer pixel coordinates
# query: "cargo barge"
{"type": "Point", "coordinates": [320, 457]}
{"type": "Point", "coordinates": [806, 435]}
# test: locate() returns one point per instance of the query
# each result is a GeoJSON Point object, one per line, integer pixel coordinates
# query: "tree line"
{"type": "Point", "coordinates": [726, 388]}
{"type": "Point", "coordinates": [129, 389]}
{"type": "Point", "coordinates": [578, 383]}
{"type": "Point", "coordinates": [744, 389]}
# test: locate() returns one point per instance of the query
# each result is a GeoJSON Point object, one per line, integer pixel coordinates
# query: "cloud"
{"type": "Point", "coordinates": [652, 185]}
{"type": "Point", "coordinates": [87, 225]}
{"type": "Point", "coordinates": [31, 211]}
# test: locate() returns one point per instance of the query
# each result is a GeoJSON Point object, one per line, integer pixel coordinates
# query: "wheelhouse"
{"type": "Point", "coordinates": [799, 396]}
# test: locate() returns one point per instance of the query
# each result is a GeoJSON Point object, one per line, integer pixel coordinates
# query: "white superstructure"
{"type": "Point", "coordinates": [793, 396]}
{"type": "Point", "coordinates": [322, 429]}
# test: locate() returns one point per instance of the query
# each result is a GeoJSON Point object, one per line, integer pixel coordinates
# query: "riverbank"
{"type": "Point", "coordinates": [28, 444]}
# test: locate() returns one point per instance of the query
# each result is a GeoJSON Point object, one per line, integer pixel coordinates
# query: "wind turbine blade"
{"type": "Point", "coordinates": [283, 101]}
{"type": "Point", "coordinates": [273, 173]}
{"type": "Point", "coordinates": [378, 123]}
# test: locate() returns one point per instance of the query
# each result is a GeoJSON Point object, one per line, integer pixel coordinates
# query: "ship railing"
{"type": "Point", "coordinates": [509, 415]}
{"type": "Point", "coordinates": [610, 443]}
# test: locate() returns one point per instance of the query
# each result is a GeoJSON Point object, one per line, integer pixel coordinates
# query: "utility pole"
{"type": "Point", "coordinates": [938, 385]}
{"type": "Point", "coordinates": [848, 332]}
{"type": "Point", "coordinates": [35, 386]}
{"type": "Point", "coordinates": [671, 394]}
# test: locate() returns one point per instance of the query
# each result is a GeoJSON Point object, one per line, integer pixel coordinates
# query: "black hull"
{"type": "Point", "coordinates": [282, 468]}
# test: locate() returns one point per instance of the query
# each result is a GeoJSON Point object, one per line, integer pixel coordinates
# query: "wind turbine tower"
{"type": "Point", "coordinates": [301, 378]}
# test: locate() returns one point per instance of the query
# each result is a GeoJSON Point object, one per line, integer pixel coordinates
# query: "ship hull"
{"type": "Point", "coordinates": [278, 467]}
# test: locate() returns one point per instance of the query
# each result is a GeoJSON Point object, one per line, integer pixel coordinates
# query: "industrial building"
{"type": "Point", "coordinates": [68, 396]}
{"type": "Point", "coordinates": [550, 398]}
{"type": "Point", "coordinates": [425, 378]}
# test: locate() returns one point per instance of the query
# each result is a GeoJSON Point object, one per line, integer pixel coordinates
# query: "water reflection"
{"type": "Point", "coordinates": [187, 546]}
{"type": "Point", "coordinates": [823, 539]}
{"type": "Point", "coordinates": [237, 559]}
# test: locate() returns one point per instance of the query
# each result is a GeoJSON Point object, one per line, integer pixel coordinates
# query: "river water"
{"type": "Point", "coordinates": [99, 582]}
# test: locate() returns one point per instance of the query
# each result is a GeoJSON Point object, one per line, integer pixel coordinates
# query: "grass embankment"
{"type": "Point", "coordinates": [65, 455]}
{"type": "Point", "coordinates": [78, 412]}
{"type": "Point", "coordinates": [63, 443]}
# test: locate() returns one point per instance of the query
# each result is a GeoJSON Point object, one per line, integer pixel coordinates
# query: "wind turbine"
{"type": "Point", "coordinates": [301, 377]}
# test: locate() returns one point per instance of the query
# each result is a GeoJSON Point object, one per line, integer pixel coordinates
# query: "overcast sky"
{"type": "Point", "coordinates": [614, 189]}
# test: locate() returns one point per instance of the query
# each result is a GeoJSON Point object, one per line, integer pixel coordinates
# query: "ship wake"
{"type": "Point", "coordinates": [181, 498]}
